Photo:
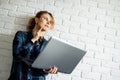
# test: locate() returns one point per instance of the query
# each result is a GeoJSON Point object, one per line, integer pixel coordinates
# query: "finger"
{"type": "Point", "coordinates": [40, 29]}
{"type": "Point", "coordinates": [54, 70]}
{"type": "Point", "coordinates": [47, 70]}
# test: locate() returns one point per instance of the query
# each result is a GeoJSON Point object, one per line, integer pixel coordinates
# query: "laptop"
{"type": "Point", "coordinates": [59, 53]}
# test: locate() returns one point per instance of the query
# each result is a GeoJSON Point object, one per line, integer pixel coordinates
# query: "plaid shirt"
{"type": "Point", "coordinates": [24, 53]}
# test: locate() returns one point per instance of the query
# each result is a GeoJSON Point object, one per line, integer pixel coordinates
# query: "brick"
{"type": "Point", "coordinates": [109, 77]}
{"type": "Point", "coordinates": [114, 78]}
{"type": "Point", "coordinates": [81, 67]}
{"type": "Point", "coordinates": [87, 40]}
{"type": "Point", "coordinates": [105, 43]}
{"type": "Point", "coordinates": [61, 16]}
{"type": "Point", "coordinates": [62, 28]}
{"type": "Point", "coordinates": [81, 8]}
{"type": "Point", "coordinates": [7, 19]}
{"type": "Point", "coordinates": [79, 78]}
{"type": "Point", "coordinates": [112, 25]}
{"type": "Point", "coordinates": [97, 11]}
{"type": "Point", "coordinates": [4, 67]}
{"type": "Point", "coordinates": [13, 26]}
{"type": "Point", "coordinates": [62, 77]}
{"type": "Point", "coordinates": [106, 6]}
{"type": "Point", "coordinates": [107, 30]}
{"type": "Point", "coordinates": [95, 48]}
{"type": "Point", "coordinates": [89, 3]}
{"type": "Point", "coordinates": [117, 20]}
{"type": "Point", "coordinates": [105, 76]}
{"type": "Point", "coordinates": [65, 4]}
{"type": "Point", "coordinates": [86, 14]}
{"type": "Point", "coordinates": [90, 54]}
{"type": "Point", "coordinates": [68, 11]}
{"type": "Point", "coordinates": [1, 24]}
{"type": "Point", "coordinates": [18, 2]}
{"type": "Point", "coordinates": [47, 2]}
{"type": "Point", "coordinates": [89, 27]}
{"type": "Point", "coordinates": [96, 35]}
{"type": "Point", "coordinates": [53, 8]}
{"type": "Point", "coordinates": [112, 51]}
{"type": "Point", "coordinates": [79, 19]}
{"type": "Point", "coordinates": [34, 5]}
{"type": "Point", "coordinates": [116, 59]}
{"type": "Point", "coordinates": [71, 24]}
{"type": "Point", "coordinates": [115, 73]}
{"type": "Point", "coordinates": [110, 64]}
{"type": "Point", "coordinates": [91, 61]}
{"type": "Point", "coordinates": [68, 36]}
{"type": "Point", "coordinates": [58, 21]}
{"type": "Point", "coordinates": [105, 18]}
{"type": "Point", "coordinates": [102, 70]}
{"type": "Point", "coordinates": [103, 1]}
{"type": "Point", "coordinates": [91, 75]}
{"type": "Point", "coordinates": [77, 2]}
{"type": "Point", "coordinates": [9, 7]}
{"type": "Point", "coordinates": [97, 23]}
{"type": "Point", "coordinates": [4, 1]}
{"type": "Point", "coordinates": [113, 13]}
{"type": "Point", "coordinates": [6, 53]}
{"type": "Point", "coordinates": [8, 61]}
{"type": "Point", "coordinates": [118, 33]}
{"type": "Point", "coordinates": [53, 33]}
{"type": "Point", "coordinates": [17, 14]}
{"type": "Point", "coordinates": [25, 9]}
{"type": "Point", "coordinates": [4, 75]}
{"type": "Point", "coordinates": [115, 2]}
{"type": "Point", "coordinates": [5, 45]}
{"type": "Point", "coordinates": [3, 12]}
{"type": "Point", "coordinates": [102, 56]}
{"type": "Point", "coordinates": [112, 38]}
{"type": "Point", "coordinates": [117, 8]}
{"type": "Point", "coordinates": [20, 21]}
{"type": "Point", "coordinates": [117, 45]}
{"type": "Point", "coordinates": [5, 31]}
{"type": "Point", "coordinates": [6, 38]}
{"type": "Point", "coordinates": [77, 30]}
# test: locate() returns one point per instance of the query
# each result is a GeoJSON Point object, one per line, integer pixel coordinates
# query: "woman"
{"type": "Point", "coordinates": [26, 47]}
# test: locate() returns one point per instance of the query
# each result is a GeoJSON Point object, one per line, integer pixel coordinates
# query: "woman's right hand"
{"type": "Point", "coordinates": [37, 34]}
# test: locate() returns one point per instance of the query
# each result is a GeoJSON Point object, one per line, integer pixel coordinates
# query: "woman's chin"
{"type": "Point", "coordinates": [45, 29]}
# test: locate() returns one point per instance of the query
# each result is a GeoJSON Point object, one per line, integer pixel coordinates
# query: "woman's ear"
{"type": "Point", "coordinates": [36, 20]}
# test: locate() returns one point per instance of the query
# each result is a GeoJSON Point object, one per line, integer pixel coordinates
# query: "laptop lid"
{"type": "Point", "coordinates": [60, 54]}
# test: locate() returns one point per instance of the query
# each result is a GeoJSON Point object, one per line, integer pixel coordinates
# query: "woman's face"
{"type": "Point", "coordinates": [44, 22]}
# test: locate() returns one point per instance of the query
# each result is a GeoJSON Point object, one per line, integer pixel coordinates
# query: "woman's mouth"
{"type": "Point", "coordinates": [47, 26]}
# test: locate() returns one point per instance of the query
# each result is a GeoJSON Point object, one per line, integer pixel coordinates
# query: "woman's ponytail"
{"type": "Point", "coordinates": [31, 24]}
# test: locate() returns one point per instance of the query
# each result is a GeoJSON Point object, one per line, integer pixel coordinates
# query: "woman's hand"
{"type": "Point", "coordinates": [52, 70]}
{"type": "Point", "coordinates": [37, 34]}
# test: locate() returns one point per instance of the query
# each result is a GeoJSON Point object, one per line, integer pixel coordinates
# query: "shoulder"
{"type": "Point", "coordinates": [21, 33]}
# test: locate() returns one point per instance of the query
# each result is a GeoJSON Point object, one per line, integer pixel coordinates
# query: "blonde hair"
{"type": "Point", "coordinates": [31, 22]}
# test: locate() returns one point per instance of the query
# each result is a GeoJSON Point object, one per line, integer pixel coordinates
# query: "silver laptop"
{"type": "Point", "coordinates": [59, 53]}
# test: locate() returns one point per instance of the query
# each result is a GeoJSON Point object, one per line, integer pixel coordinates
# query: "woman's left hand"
{"type": "Point", "coordinates": [52, 70]}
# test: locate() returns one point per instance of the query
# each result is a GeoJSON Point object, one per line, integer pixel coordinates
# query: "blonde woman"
{"type": "Point", "coordinates": [26, 47]}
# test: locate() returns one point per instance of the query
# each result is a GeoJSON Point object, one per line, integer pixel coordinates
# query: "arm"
{"type": "Point", "coordinates": [19, 48]}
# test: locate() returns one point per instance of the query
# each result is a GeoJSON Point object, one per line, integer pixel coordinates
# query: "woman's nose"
{"type": "Point", "coordinates": [48, 22]}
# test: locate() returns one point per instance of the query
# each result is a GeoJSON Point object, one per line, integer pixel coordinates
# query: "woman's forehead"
{"type": "Point", "coordinates": [46, 15]}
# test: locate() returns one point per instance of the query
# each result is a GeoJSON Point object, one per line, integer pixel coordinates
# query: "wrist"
{"type": "Point", "coordinates": [34, 40]}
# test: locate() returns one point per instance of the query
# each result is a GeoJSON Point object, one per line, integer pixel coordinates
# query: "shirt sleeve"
{"type": "Point", "coordinates": [19, 47]}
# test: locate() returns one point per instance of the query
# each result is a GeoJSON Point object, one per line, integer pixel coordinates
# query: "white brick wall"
{"type": "Point", "coordinates": [93, 25]}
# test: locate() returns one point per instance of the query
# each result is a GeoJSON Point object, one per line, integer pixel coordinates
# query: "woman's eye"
{"type": "Point", "coordinates": [45, 18]}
